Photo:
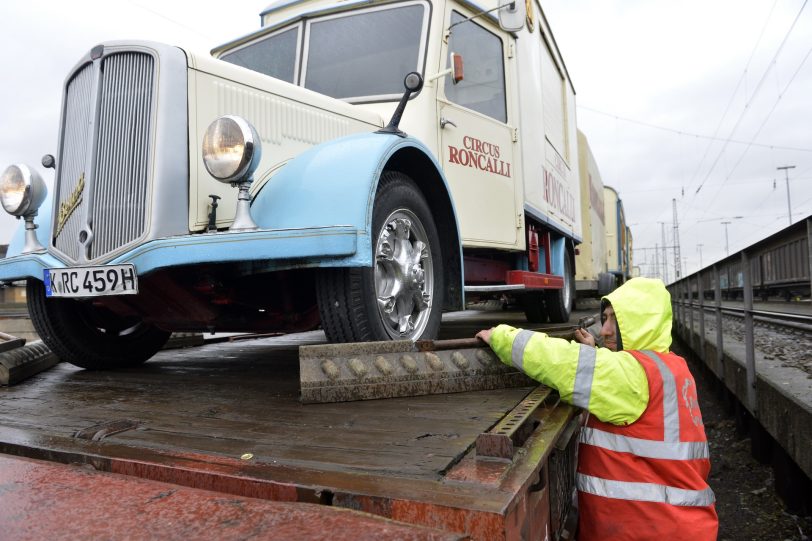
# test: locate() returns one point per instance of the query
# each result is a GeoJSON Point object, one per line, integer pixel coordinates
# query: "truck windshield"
{"type": "Point", "coordinates": [357, 56]}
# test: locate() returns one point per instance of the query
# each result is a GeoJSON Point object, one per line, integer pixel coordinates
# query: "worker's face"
{"type": "Point", "coordinates": [609, 328]}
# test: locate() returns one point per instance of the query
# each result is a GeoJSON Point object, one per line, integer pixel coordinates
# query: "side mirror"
{"type": "Point", "coordinates": [413, 83]}
{"type": "Point", "coordinates": [512, 15]}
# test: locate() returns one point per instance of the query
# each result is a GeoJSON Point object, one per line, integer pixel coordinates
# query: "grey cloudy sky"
{"type": "Point", "coordinates": [673, 96]}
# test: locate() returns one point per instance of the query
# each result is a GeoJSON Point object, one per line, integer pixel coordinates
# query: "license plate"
{"type": "Point", "coordinates": [91, 281]}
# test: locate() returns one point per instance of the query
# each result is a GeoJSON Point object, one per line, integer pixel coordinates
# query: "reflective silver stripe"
{"type": "Point", "coordinates": [644, 492]}
{"type": "Point", "coordinates": [519, 343]}
{"type": "Point", "coordinates": [670, 404]}
{"type": "Point", "coordinates": [688, 450]}
{"type": "Point", "coordinates": [582, 389]}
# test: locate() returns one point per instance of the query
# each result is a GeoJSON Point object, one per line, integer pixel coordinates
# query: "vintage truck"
{"type": "Point", "coordinates": [265, 188]}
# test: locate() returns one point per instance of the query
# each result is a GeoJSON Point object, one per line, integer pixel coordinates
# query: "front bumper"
{"type": "Point", "coordinates": [278, 249]}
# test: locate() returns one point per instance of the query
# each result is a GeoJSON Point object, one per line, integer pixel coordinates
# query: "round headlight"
{"type": "Point", "coordinates": [231, 149]}
{"type": "Point", "coordinates": [22, 190]}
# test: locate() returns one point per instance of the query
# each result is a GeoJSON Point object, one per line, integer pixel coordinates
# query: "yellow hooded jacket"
{"type": "Point", "coordinates": [618, 391]}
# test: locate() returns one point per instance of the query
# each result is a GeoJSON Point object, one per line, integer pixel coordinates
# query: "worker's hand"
{"type": "Point", "coordinates": [485, 335]}
{"type": "Point", "coordinates": [583, 336]}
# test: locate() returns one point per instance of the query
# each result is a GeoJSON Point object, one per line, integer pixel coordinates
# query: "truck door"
{"type": "Point", "coordinates": [476, 135]}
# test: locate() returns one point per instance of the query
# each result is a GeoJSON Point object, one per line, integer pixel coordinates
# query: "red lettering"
{"type": "Point", "coordinates": [558, 196]}
{"type": "Point", "coordinates": [452, 155]}
{"type": "Point", "coordinates": [483, 156]}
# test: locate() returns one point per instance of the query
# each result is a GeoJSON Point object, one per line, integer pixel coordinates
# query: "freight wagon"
{"type": "Point", "coordinates": [779, 266]}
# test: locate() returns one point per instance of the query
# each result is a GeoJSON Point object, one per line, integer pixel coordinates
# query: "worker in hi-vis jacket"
{"type": "Point", "coordinates": [643, 458]}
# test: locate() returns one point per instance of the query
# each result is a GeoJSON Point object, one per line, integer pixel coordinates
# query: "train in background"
{"type": "Point", "coordinates": [779, 267]}
{"type": "Point", "coordinates": [603, 260]}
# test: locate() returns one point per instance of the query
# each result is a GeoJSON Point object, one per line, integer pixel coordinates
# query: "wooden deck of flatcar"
{"type": "Point", "coordinates": [234, 399]}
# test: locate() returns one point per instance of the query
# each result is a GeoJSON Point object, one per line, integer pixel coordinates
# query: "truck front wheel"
{"type": "Point", "coordinates": [400, 296]}
{"type": "Point", "coordinates": [89, 336]}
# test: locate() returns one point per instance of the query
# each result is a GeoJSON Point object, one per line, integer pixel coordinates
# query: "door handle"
{"type": "Point", "coordinates": [444, 121]}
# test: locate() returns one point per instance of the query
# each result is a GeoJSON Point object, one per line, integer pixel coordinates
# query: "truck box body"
{"type": "Point", "coordinates": [591, 276]}
{"type": "Point", "coordinates": [618, 236]}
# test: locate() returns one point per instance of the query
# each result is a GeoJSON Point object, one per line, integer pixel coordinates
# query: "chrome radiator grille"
{"type": "Point", "coordinates": [113, 162]}
{"type": "Point", "coordinates": [72, 163]}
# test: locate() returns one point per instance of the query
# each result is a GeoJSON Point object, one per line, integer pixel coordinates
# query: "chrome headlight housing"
{"type": "Point", "coordinates": [22, 190]}
{"type": "Point", "coordinates": [231, 149]}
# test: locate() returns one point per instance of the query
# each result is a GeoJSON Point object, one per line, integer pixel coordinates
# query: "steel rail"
{"type": "Point", "coordinates": [786, 319]}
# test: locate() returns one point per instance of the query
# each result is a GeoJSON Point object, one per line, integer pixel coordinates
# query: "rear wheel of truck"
{"type": "Point", "coordinates": [559, 301]}
{"type": "Point", "coordinates": [89, 336]}
{"type": "Point", "coordinates": [401, 296]}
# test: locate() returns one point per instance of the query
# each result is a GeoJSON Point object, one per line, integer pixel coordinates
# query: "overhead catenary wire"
{"type": "Point", "coordinates": [741, 80]}
{"type": "Point", "coordinates": [763, 123]}
{"type": "Point", "coordinates": [753, 95]}
{"type": "Point", "coordinates": [691, 134]}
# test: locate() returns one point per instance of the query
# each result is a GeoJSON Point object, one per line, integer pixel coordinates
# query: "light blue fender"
{"type": "Point", "coordinates": [334, 184]}
{"type": "Point", "coordinates": [558, 251]}
{"type": "Point", "coordinates": [330, 184]}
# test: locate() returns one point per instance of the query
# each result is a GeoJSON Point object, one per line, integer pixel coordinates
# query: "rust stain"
{"type": "Point", "coordinates": [208, 480]}
{"type": "Point", "coordinates": [483, 472]}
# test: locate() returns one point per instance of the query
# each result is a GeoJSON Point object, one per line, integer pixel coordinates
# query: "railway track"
{"type": "Point", "coordinates": [778, 336]}
{"type": "Point", "coordinates": [786, 319]}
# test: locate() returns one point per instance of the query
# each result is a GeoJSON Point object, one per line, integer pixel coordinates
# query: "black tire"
{"type": "Point", "coordinates": [88, 336]}
{"type": "Point", "coordinates": [348, 298]}
{"type": "Point", "coordinates": [606, 284]}
{"type": "Point", "coordinates": [559, 301]}
{"type": "Point", "coordinates": [534, 309]}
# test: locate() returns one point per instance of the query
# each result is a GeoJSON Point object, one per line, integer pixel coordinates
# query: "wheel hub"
{"type": "Point", "coordinates": [403, 275]}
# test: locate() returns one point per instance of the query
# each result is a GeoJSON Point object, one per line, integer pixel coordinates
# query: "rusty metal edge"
{"type": "Point", "coordinates": [244, 478]}
{"type": "Point", "coordinates": [289, 482]}
{"type": "Point", "coordinates": [207, 471]}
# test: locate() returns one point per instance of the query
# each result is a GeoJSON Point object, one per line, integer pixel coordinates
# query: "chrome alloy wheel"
{"type": "Point", "coordinates": [404, 275]}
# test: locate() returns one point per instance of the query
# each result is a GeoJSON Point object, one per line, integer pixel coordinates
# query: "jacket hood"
{"type": "Point", "coordinates": [643, 311]}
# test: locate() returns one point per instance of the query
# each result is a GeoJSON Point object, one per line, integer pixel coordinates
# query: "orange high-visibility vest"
{"type": "Point", "coordinates": [648, 480]}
